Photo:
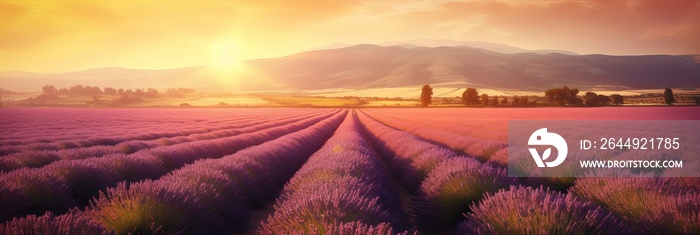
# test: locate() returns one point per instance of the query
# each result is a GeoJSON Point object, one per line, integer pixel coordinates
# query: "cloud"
{"type": "Point", "coordinates": [73, 34]}
{"type": "Point", "coordinates": [618, 27]}
{"type": "Point", "coordinates": [68, 34]}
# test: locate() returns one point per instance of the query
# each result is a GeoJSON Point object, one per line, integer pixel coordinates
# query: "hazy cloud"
{"type": "Point", "coordinates": [73, 34]}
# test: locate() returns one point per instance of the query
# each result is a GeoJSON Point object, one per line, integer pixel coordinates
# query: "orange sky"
{"type": "Point", "coordinates": [67, 35]}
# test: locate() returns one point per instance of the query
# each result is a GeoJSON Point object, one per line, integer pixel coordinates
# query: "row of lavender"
{"type": "Point", "coordinates": [74, 182]}
{"type": "Point", "coordinates": [449, 135]}
{"type": "Point", "coordinates": [644, 205]}
{"type": "Point", "coordinates": [26, 133]}
{"type": "Point", "coordinates": [209, 196]}
{"type": "Point", "coordinates": [43, 126]}
{"type": "Point", "coordinates": [39, 158]}
{"type": "Point", "coordinates": [442, 183]}
{"type": "Point", "coordinates": [344, 188]}
{"type": "Point", "coordinates": [348, 188]}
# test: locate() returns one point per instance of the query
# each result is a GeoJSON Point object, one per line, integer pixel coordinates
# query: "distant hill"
{"type": "Point", "coordinates": [495, 47]}
{"type": "Point", "coordinates": [190, 77]}
{"type": "Point", "coordinates": [372, 66]}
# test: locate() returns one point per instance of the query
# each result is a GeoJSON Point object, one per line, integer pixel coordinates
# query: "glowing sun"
{"type": "Point", "coordinates": [225, 57]}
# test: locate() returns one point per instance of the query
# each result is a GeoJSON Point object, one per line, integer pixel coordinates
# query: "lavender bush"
{"type": "Point", "coordinates": [23, 159]}
{"type": "Point", "coordinates": [41, 154]}
{"type": "Point", "coordinates": [306, 211]}
{"type": "Point", "coordinates": [159, 208]}
{"type": "Point", "coordinates": [355, 228]}
{"type": "Point", "coordinates": [85, 179]}
{"type": "Point", "coordinates": [413, 158]}
{"type": "Point", "coordinates": [477, 147]}
{"type": "Point", "coordinates": [451, 188]}
{"type": "Point", "coordinates": [649, 205]}
{"type": "Point", "coordinates": [344, 182]}
{"type": "Point", "coordinates": [200, 198]}
{"type": "Point", "coordinates": [31, 191]}
{"type": "Point", "coordinates": [49, 223]}
{"type": "Point", "coordinates": [524, 210]}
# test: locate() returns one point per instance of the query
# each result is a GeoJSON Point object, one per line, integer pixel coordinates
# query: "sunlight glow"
{"type": "Point", "coordinates": [226, 65]}
{"type": "Point", "coordinates": [225, 57]}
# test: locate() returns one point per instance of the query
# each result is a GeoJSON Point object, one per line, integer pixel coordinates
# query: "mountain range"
{"type": "Point", "coordinates": [396, 65]}
{"type": "Point", "coordinates": [495, 47]}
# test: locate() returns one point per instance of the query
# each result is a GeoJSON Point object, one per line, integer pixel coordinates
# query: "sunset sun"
{"type": "Point", "coordinates": [225, 57]}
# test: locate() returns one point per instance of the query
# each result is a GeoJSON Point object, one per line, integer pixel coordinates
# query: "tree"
{"type": "Point", "coordinates": [617, 99]}
{"type": "Point", "coordinates": [426, 95]}
{"type": "Point", "coordinates": [77, 90]}
{"type": "Point", "coordinates": [49, 90]}
{"type": "Point", "coordinates": [151, 93]}
{"type": "Point", "coordinates": [110, 91]}
{"type": "Point", "coordinates": [593, 99]}
{"type": "Point", "coordinates": [571, 98]}
{"type": "Point", "coordinates": [523, 100]}
{"type": "Point", "coordinates": [63, 91]}
{"type": "Point", "coordinates": [576, 101]}
{"type": "Point", "coordinates": [551, 94]}
{"type": "Point", "coordinates": [516, 100]}
{"type": "Point", "coordinates": [485, 99]}
{"type": "Point", "coordinates": [563, 96]}
{"type": "Point", "coordinates": [91, 90]}
{"type": "Point", "coordinates": [668, 96]}
{"type": "Point", "coordinates": [603, 100]}
{"type": "Point", "coordinates": [505, 100]}
{"type": "Point", "coordinates": [470, 96]}
{"type": "Point", "coordinates": [494, 101]}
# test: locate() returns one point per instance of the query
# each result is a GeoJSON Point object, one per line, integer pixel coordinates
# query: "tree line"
{"type": "Point", "coordinates": [563, 96]}
{"type": "Point", "coordinates": [125, 96]}
{"type": "Point", "coordinates": [471, 97]}
{"type": "Point", "coordinates": [50, 91]}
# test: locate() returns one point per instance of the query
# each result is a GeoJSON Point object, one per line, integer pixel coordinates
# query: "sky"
{"type": "Point", "coordinates": [70, 35]}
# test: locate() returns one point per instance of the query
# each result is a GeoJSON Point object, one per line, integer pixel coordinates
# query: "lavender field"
{"type": "Point", "coordinates": [313, 171]}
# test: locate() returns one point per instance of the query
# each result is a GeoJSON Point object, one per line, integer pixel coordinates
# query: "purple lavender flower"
{"type": "Point", "coordinates": [451, 188]}
{"type": "Point", "coordinates": [32, 191]}
{"type": "Point", "coordinates": [524, 210]}
{"type": "Point", "coordinates": [344, 182]}
{"type": "Point", "coordinates": [649, 205]}
{"type": "Point", "coordinates": [159, 208]}
{"type": "Point", "coordinates": [83, 178]}
{"type": "Point", "coordinates": [49, 223]}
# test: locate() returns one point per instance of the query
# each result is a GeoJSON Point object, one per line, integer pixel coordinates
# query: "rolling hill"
{"type": "Point", "coordinates": [495, 47]}
{"type": "Point", "coordinates": [372, 66]}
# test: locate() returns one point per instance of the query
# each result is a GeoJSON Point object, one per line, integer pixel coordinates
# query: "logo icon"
{"type": "Point", "coordinates": [542, 137]}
